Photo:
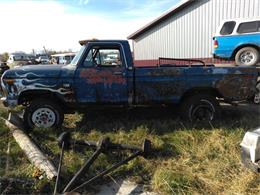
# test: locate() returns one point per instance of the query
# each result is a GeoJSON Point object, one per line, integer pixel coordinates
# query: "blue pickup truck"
{"type": "Point", "coordinates": [47, 92]}
{"type": "Point", "coordinates": [239, 40]}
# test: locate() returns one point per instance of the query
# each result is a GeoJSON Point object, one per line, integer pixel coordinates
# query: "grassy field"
{"type": "Point", "coordinates": [187, 158]}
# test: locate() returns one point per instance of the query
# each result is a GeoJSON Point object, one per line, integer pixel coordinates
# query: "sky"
{"type": "Point", "coordinates": [59, 24]}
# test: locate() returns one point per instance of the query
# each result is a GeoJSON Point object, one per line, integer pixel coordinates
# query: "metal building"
{"type": "Point", "coordinates": [186, 31]}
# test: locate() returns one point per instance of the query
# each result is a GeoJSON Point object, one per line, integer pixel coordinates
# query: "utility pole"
{"type": "Point", "coordinates": [45, 50]}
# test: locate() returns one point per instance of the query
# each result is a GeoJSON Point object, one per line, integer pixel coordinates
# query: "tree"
{"type": "Point", "coordinates": [5, 57]}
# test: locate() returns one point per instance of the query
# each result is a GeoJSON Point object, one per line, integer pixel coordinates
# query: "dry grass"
{"type": "Point", "coordinates": [208, 165]}
{"type": "Point", "coordinates": [187, 159]}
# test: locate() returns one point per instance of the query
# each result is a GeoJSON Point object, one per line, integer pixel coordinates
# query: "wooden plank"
{"type": "Point", "coordinates": [34, 154]}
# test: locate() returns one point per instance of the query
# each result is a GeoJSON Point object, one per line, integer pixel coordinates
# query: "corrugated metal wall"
{"type": "Point", "coordinates": [188, 34]}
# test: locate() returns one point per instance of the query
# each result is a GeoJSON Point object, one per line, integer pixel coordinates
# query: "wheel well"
{"type": "Point", "coordinates": [30, 95]}
{"type": "Point", "coordinates": [195, 91]}
{"type": "Point", "coordinates": [242, 46]}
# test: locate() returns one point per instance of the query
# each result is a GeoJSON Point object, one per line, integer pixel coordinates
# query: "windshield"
{"type": "Point", "coordinates": [78, 55]}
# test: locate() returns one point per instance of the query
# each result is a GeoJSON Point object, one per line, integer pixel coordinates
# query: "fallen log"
{"type": "Point", "coordinates": [34, 154]}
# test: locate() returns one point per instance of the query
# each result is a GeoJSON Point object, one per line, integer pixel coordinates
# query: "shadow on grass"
{"type": "Point", "coordinates": [166, 119]}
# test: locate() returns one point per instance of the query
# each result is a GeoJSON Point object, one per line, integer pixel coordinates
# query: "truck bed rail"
{"type": "Point", "coordinates": [179, 62]}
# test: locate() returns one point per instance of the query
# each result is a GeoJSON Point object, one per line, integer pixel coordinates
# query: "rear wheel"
{"type": "Point", "coordinates": [247, 56]}
{"type": "Point", "coordinates": [44, 114]}
{"type": "Point", "coordinates": [200, 107]}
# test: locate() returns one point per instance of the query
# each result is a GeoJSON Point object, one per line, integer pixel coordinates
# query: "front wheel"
{"type": "Point", "coordinates": [247, 56]}
{"type": "Point", "coordinates": [200, 107]}
{"type": "Point", "coordinates": [44, 114]}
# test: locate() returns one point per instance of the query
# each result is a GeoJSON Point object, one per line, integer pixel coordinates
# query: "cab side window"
{"type": "Point", "coordinates": [104, 57]}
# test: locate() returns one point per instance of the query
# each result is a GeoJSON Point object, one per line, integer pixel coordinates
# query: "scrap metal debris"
{"type": "Point", "coordinates": [102, 146]}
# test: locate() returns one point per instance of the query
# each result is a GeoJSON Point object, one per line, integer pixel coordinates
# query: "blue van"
{"type": "Point", "coordinates": [239, 40]}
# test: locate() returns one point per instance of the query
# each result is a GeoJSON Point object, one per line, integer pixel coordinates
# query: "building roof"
{"type": "Point", "coordinates": [64, 54]}
{"type": "Point", "coordinates": [167, 14]}
{"type": "Point", "coordinates": [18, 54]}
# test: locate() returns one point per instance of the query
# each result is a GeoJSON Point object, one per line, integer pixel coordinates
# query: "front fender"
{"type": "Point", "coordinates": [15, 91]}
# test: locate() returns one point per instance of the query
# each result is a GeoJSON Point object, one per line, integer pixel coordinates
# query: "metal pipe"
{"type": "Point", "coordinates": [83, 169]}
{"type": "Point", "coordinates": [109, 145]}
{"type": "Point", "coordinates": [59, 169]}
{"type": "Point", "coordinates": [108, 170]}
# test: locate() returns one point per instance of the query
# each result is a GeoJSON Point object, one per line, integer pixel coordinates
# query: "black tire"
{"type": "Point", "coordinates": [39, 111]}
{"type": "Point", "coordinates": [200, 107]}
{"type": "Point", "coordinates": [256, 98]}
{"type": "Point", "coordinates": [247, 56]}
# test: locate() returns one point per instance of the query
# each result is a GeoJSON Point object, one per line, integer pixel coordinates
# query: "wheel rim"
{"type": "Point", "coordinates": [202, 112]}
{"type": "Point", "coordinates": [247, 57]}
{"type": "Point", "coordinates": [43, 117]}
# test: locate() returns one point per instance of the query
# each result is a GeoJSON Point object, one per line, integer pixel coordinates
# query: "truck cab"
{"type": "Point", "coordinates": [104, 81]}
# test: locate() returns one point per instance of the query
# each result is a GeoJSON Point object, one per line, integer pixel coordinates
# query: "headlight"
{"type": "Point", "coordinates": [9, 81]}
{"type": "Point", "coordinates": [7, 84]}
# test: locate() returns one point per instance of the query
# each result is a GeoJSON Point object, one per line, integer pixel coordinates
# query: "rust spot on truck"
{"type": "Point", "coordinates": [152, 91]}
{"type": "Point", "coordinates": [250, 71]}
{"type": "Point", "coordinates": [108, 77]}
{"type": "Point", "coordinates": [236, 87]}
{"type": "Point", "coordinates": [70, 96]}
{"type": "Point", "coordinates": [168, 89]}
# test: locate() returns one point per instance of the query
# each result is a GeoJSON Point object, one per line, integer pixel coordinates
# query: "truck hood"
{"type": "Point", "coordinates": [34, 71]}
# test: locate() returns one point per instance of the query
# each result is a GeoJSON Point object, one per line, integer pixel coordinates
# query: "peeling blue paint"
{"type": "Point", "coordinates": [126, 84]}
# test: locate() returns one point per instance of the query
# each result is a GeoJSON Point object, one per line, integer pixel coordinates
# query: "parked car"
{"type": "Point", "coordinates": [18, 59]}
{"type": "Point", "coordinates": [49, 91]}
{"type": "Point", "coordinates": [239, 40]}
{"type": "Point", "coordinates": [64, 58]}
{"type": "Point", "coordinates": [42, 59]}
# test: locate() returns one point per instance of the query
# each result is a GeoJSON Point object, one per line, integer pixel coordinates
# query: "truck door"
{"type": "Point", "coordinates": [101, 76]}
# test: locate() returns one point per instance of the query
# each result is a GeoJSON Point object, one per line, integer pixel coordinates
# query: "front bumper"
{"type": "Point", "coordinates": [9, 103]}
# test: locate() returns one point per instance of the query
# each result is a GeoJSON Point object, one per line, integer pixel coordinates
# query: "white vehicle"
{"type": "Point", "coordinates": [43, 59]}
{"type": "Point", "coordinates": [64, 58]}
{"type": "Point", "coordinates": [250, 150]}
{"type": "Point", "coordinates": [16, 59]}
